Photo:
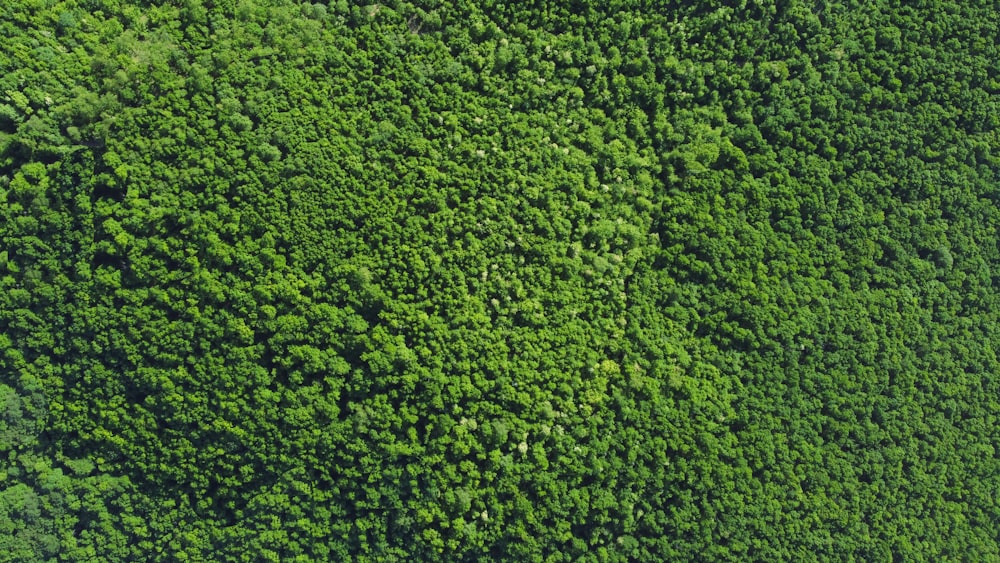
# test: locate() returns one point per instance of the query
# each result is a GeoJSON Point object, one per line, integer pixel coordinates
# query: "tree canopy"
{"type": "Point", "coordinates": [413, 280]}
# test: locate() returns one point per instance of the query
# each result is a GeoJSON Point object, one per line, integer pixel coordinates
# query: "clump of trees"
{"type": "Point", "coordinates": [290, 281]}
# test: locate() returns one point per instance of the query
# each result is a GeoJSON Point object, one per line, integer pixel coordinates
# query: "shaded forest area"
{"type": "Point", "coordinates": [646, 281]}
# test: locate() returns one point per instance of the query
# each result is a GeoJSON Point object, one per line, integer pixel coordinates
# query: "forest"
{"type": "Point", "coordinates": [499, 281]}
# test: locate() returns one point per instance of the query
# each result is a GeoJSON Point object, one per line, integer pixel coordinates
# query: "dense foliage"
{"type": "Point", "coordinates": [499, 280]}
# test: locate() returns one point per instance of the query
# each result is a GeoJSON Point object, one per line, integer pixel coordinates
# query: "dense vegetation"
{"type": "Point", "coordinates": [285, 281]}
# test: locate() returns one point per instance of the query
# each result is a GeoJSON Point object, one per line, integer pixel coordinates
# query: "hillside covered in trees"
{"type": "Point", "coordinates": [487, 280]}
